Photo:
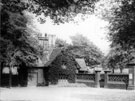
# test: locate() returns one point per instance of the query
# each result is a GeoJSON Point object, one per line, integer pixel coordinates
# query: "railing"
{"type": "Point", "coordinates": [118, 78]}
{"type": "Point", "coordinates": [85, 77]}
{"type": "Point", "coordinates": [119, 81]}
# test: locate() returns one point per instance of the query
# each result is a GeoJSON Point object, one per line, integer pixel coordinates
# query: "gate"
{"type": "Point", "coordinates": [102, 80]}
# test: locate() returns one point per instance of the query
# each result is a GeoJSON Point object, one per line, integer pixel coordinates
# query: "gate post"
{"type": "Point", "coordinates": [131, 82]}
{"type": "Point", "coordinates": [97, 78]}
{"type": "Point", "coordinates": [106, 78]}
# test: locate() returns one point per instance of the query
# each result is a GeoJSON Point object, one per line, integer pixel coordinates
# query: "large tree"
{"type": "Point", "coordinates": [122, 26]}
{"type": "Point", "coordinates": [121, 17]}
{"type": "Point", "coordinates": [117, 58]}
{"type": "Point", "coordinates": [17, 45]}
{"type": "Point", "coordinates": [84, 48]}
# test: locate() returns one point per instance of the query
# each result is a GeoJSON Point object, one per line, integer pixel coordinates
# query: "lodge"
{"type": "Point", "coordinates": [41, 74]}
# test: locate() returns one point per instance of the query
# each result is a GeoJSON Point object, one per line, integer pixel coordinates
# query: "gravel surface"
{"type": "Point", "coordinates": [65, 94]}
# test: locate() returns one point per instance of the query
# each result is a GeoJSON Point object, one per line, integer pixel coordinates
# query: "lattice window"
{"type": "Point", "coordinates": [118, 78]}
{"type": "Point", "coordinates": [86, 76]}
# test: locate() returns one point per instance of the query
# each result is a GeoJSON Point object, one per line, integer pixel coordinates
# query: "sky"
{"type": "Point", "coordinates": [92, 27]}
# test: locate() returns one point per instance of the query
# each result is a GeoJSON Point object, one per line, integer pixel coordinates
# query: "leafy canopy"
{"type": "Point", "coordinates": [84, 48]}
{"type": "Point", "coordinates": [121, 16]}
{"type": "Point", "coordinates": [61, 10]}
{"type": "Point", "coordinates": [17, 45]}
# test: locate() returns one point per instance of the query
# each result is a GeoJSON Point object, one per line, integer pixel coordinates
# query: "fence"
{"type": "Point", "coordinates": [88, 79]}
{"type": "Point", "coordinates": [117, 81]}
{"type": "Point", "coordinates": [91, 80]}
{"type": "Point", "coordinates": [105, 80]}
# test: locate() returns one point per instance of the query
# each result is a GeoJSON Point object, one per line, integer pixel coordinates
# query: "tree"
{"type": "Point", "coordinates": [122, 26]}
{"type": "Point", "coordinates": [122, 20]}
{"type": "Point", "coordinates": [105, 8]}
{"type": "Point", "coordinates": [116, 58]}
{"type": "Point", "coordinates": [82, 47]}
{"type": "Point", "coordinates": [17, 44]}
{"type": "Point", "coordinates": [61, 11]}
{"type": "Point", "coordinates": [121, 16]}
{"type": "Point", "coordinates": [61, 43]}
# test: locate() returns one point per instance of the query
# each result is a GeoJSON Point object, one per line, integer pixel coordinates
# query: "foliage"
{"type": "Point", "coordinates": [61, 10]}
{"type": "Point", "coordinates": [61, 43]}
{"type": "Point", "coordinates": [121, 16]}
{"type": "Point", "coordinates": [122, 30]}
{"type": "Point", "coordinates": [105, 8]}
{"type": "Point", "coordinates": [82, 47]}
{"type": "Point", "coordinates": [16, 44]}
{"type": "Point", "coordinates": [64, 58]}
{"type": "Point", "coordinates": [116, 58]}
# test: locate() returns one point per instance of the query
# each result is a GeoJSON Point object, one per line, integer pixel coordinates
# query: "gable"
{"type": "Point", "coordinates": [53, 55]}
{"type": "Point", "coordinates": [47, 60]}
{"type": "Point", "coordinates": [81, 63]}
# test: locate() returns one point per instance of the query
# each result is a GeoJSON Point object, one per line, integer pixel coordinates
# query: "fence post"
{"type": "Point", "coordinates": [97, 78]}
{"type": "Point", "coordinates": [131, 82]}
{"type": "Point", "coordinates": [106, 78]}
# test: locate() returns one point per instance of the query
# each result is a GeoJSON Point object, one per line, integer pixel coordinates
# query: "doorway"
{"type": "Point", "coordinates": [32, 79]}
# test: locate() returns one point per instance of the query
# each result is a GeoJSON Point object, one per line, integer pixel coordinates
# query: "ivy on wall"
{"type": "Point", "coordinates": [64, 65]}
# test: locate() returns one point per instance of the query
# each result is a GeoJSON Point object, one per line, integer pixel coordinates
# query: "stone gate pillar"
{"type": "Point", "coordinates": [131, 82]}
{"type": "Point", "coordinates": [106, 78]}
{"type": "Point", "coordinates": [97, 78]}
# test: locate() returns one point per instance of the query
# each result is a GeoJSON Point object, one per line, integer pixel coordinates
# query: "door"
{"type": "Point", "coordinates": [32, 78]}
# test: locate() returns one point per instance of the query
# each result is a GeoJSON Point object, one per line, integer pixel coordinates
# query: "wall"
{"type": "Point", "coordinates": [87, 79]}
{"type": "Point", "coordinates": [119, 81]}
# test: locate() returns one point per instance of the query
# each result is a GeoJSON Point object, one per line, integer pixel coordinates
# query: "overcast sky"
{"type": "Point", "coordinates": [92, 27]}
